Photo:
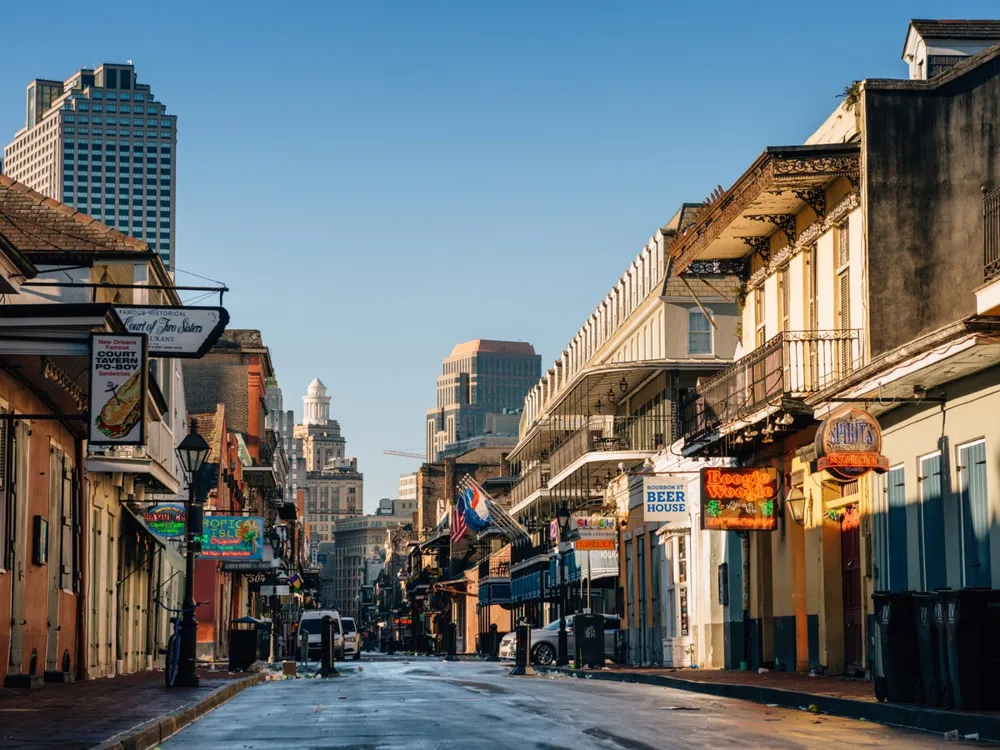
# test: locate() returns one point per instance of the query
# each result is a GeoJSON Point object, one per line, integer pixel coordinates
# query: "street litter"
{"type": "Point", "coordinates": [762, 670]}
{"type": "Point", "coordinates": [952, 735]}
{"type": "Point", "coordinates": [681, 708]}
{"type": "Point", "coordinates": [973, 736]}
{"type": "Point", "coordinates": [771, 705]}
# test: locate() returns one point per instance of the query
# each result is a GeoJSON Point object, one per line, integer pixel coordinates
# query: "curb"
{"type": "Point", "coordinates": [156, 730]}
{"type": "Point", "coordinates": [893, 714]}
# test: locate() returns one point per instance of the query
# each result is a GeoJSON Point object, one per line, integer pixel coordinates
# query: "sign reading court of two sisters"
{"type": "Point", "coordinates": [181, 332]}
{"type": "Point", "coordinates": [117, 398]}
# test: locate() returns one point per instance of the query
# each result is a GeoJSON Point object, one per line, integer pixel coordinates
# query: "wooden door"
{"type": "Point", "coordinates": [850, 555]}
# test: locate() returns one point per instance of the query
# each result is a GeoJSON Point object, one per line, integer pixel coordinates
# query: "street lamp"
{"type": "Point", "coordinates": [191, 453]}
{"type": "Point", "coordinates": [562, 658]}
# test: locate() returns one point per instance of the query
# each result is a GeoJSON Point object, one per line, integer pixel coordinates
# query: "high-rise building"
{"type": "Point", "coordinates": [101, 142]}
{"type": "Point", "coordinates": [481, 391]}
{"type": "Point", "coordinates": [283, 424]}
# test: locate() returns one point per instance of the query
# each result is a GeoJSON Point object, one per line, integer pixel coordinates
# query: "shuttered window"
{"type": "Point", "coordinates": [784, 291]}
{"type": "Point", "coordinates": [975, 513]}
{"type": "Point", "coordinates": [6, 499]}
{"type": "Point", "coordinates": [896, 494]}
{"type": "Point", "coordinates": [759, 312]}
{"type": "Point", "coordinates": [932, 521]}
{"type": "Point", "coordinates": [844, 243]}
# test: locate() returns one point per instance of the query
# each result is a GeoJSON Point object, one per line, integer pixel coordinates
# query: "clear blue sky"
{"type": "Point", "coordinates": [378, 181]}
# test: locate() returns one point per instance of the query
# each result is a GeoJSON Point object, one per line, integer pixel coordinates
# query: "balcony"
{"type": "Point", "coordinates": [154, 460]}
{"type": "Point", "coordinates": [530, 482]}
{"type": "Point", "coordinates": [495, 566]}
{"type": "Point", "coordinates": [610, 434]}
{"type": "Point", "coordinates": [792, 365]}
{"type": "Point", "coordinates": [988, 295]}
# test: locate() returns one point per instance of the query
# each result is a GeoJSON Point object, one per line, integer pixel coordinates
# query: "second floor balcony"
{"type": "Point", "coordinates": [611, 434]}
{"type": "Point", "coordinates": [788, 367]}
{"type": "Point", "coordinates": [496, 565]}
{"type": "Point", "coordinates": [531, 481]}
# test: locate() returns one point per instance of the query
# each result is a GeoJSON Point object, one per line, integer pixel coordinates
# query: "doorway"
{"type": "Point", "coordinates": [850, 555]}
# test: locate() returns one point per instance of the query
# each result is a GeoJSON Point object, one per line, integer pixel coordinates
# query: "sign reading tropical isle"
{"type": "Point", "coordinates": [739, 499]}
{"type": "Point", "coordinates": [849, 445]}
{"type": "Point", "coordinates": [233, 538]}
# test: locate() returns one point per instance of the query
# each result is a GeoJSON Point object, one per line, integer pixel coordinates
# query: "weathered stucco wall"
{"type": "Point", "coordinates": [928, 151]}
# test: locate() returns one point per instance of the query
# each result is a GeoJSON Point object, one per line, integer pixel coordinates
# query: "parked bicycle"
{"type": "Point", "coordinates": [173, 649]}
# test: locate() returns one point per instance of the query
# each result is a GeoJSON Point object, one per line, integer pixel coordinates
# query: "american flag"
{"type": "Point", "coordinates": [458, 525]}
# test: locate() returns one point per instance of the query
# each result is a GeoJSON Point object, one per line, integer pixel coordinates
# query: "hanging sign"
{"type": "Point", "coordinates": [181, 332]}
{"type": "Point", "coordinates": [594, 532]}
{"type": "Point", "coordinates": [117, 401]}
{"type": "Point", "coordinates": [664, 499]}
{"type": "Point", "coordinates": [166, 520]}
{"type": "Point", "coordinates": [232, 538]}
{"type": "Point", "coordinates": [849, 445]}
{"type": "Point", "coordinates": [739, 499]}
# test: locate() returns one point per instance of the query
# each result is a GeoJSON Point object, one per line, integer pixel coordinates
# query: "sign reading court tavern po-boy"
{"type": "Point", "coordinates": [117, 402]}
{"type": "Point", "coordinates": [849, 445]}
{"type": "Point", "coordinates": [179, 332]}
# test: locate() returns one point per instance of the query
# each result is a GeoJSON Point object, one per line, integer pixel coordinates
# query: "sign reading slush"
{"type": "Point", "coordinates": [664, 499]}
{"type": "Point", "coordinates": [739, 499]}
{"type": "Point", "coordinates": [594, 532]}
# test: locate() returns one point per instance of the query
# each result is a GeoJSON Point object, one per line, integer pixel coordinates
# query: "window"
{"type": "Point", "coordinates": [975, 514]}
{"type": "Point", "coordinates": [844, 243]}
{"type": "Point", "coordinates": [932, 522]}
{"type": "Point", "coordinates": [895, 490]}
{"type": "Point", "coordinates": [139, 98]}
{"type": "Point", "coordinates": [784, 298]}
{"type": "Point", "coordinates": [699, 333]}
{"type": "Point", "coordinates": [759, 320]}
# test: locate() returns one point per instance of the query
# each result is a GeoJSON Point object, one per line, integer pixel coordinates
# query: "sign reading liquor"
{"type": "Point", "coordinates": [117, 401]}
{"type": "Point", "coordinates": [739, 499]}
{"type": "Point", "coordinates": [664, 499]}
{"type": "Point", "coordinates": [166, 520]}
{"type": "Point", "coordinates": [849, 445]}
{"type": "Point", "coordinates": [232, 537]}
{"type": "Point", "coordinates": [594, 532]}
{"type": "Point", "coordinates": [176, 331]}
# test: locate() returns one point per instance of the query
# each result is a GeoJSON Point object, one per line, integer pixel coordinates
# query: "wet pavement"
{"type": "Point", "coordinates": [426, 703]}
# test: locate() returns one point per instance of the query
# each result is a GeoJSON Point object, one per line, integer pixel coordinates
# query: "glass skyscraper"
{"type": "Point", "coordinates": [100, 142]}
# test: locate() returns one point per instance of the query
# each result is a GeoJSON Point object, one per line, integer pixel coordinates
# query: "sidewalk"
{"type": "Point", "coordinates": [837, 696]}
{"type": "Point", "coordinates": [88, 714]}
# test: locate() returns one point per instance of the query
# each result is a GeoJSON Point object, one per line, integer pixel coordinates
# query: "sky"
{"type": "Point", "coordinates": [378, 181]}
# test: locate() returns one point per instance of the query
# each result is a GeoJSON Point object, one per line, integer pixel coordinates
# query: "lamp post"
{"type": "Point", "coordinates": [191, 453]}
{"type": "Point", "coordinates": [562, 658]}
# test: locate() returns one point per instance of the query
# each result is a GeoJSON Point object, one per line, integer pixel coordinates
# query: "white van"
{"type": "Point", "coordinates": [311, 622]}
{"type": "Point", "coordinates": [352, 638]}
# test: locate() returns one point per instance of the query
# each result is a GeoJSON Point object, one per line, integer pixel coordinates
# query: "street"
{"type": "Point", "coordinates": [429, 703]}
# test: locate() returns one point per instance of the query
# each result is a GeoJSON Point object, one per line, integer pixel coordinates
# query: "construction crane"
{"type": "Point", "coordinates": [404, 454]}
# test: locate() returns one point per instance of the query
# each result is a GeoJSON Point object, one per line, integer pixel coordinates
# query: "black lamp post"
{"type": "Point", "coordinates": [562, 658]}
{"type": "Point", "coordinates": [191, 453]}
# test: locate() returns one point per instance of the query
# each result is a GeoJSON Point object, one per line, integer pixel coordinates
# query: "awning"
{"type": "Point", "coordinates": [588, 565]}
{"type": "Point", "coordinates": [169, 551]}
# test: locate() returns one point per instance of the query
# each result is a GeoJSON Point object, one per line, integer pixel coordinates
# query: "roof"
{"type": "Point", "coordinates": [956, 28]}
{"type": "Point", "coordinates": [29, 221]}
{"type": "Point", "coordinates": [209, 426]}
{"type": "Point", "coordinates": [702, 289]}
{"type": "Point", "coordinates": [486, 346]}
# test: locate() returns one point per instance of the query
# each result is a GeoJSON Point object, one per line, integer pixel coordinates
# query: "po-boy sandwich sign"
{"type": "Point", "coordinates": [117, 389]}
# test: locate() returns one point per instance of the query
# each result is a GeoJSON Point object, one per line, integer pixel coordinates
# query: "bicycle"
{"type": "Point", "coordinates": [173, 649]}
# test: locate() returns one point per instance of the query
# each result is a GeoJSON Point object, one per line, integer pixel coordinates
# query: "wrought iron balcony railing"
{"type": "Point", "coordinates": [991, 238]}
{"type": "Point", "coordinates": [792, 365]}
{"type": "Point", "coordinates": [609, 433]}
{"type": "Point", "coordinates": [495, 566]}
{"type": "Point", "coordinates": [530, 481]}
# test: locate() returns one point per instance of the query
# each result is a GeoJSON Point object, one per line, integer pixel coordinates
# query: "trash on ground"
{"type": "Point", "coordinates": [952, 735]}
{"type": "Point", "coordinates": [681, 708]}
{"type": "Point", "coordinates": [973, 736]}
{"type": "Point", "coordinates": [762, 670]}
{"type": "Point", "coordinates": [813, 708]}
{"type": "Point", "coordinates": [771, 705]}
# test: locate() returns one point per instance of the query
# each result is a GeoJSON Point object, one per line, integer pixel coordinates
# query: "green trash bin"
{"type": "Point", "coordinates": [897, 634]}
{"type": "Point", "coordinates": [971, 621]}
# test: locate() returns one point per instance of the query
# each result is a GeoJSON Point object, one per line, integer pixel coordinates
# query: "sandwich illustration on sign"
{"type": "Point", "coordinates": [122, 411]}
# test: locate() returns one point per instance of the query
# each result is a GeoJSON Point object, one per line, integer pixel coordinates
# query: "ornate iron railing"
{"type": "Point", "coordinates": [609, 433]}
{"type": "Point", "coordinates": [792, 364]}
{"type": "Point", "coordinates": [530, 481]}
{"type": "Point", "coordinates": [495, 566]}
{"type": "Point", "coordinates": [991, 238]}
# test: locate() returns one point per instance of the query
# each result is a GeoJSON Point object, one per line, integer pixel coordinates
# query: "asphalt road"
{"type": "Point", "coordinates": [427, 703]}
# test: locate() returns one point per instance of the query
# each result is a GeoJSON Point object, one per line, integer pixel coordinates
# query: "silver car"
{"type": "Point", "coordinates": [545, 641]}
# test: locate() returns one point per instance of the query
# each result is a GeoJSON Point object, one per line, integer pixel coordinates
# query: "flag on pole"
{"type": "Point", "coordinates": [477, 511]}
{"type": "Point", "coordinates": [458, 525]}
{"type": "Point", "coordinates": [295, 580]}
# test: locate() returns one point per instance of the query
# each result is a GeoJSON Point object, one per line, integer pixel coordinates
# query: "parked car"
{"type": "Point", "coordinates": [352, 639]}
{"type": "Point", "coordinates": [311, 622]}
{"type": "Point", "coordinates": [545, 641]}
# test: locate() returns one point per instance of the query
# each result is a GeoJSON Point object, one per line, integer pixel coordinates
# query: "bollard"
{"type": "Point", "coordinates": [329, 649]}
{"type": "Point", "coordinates": [303, 646]}
{"type": "Point", "coordinates": [522, 664]}
{"type": "Point", "coordinates": [452, 642]}
{"type": "Point", "coordinates": [493, 644]}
